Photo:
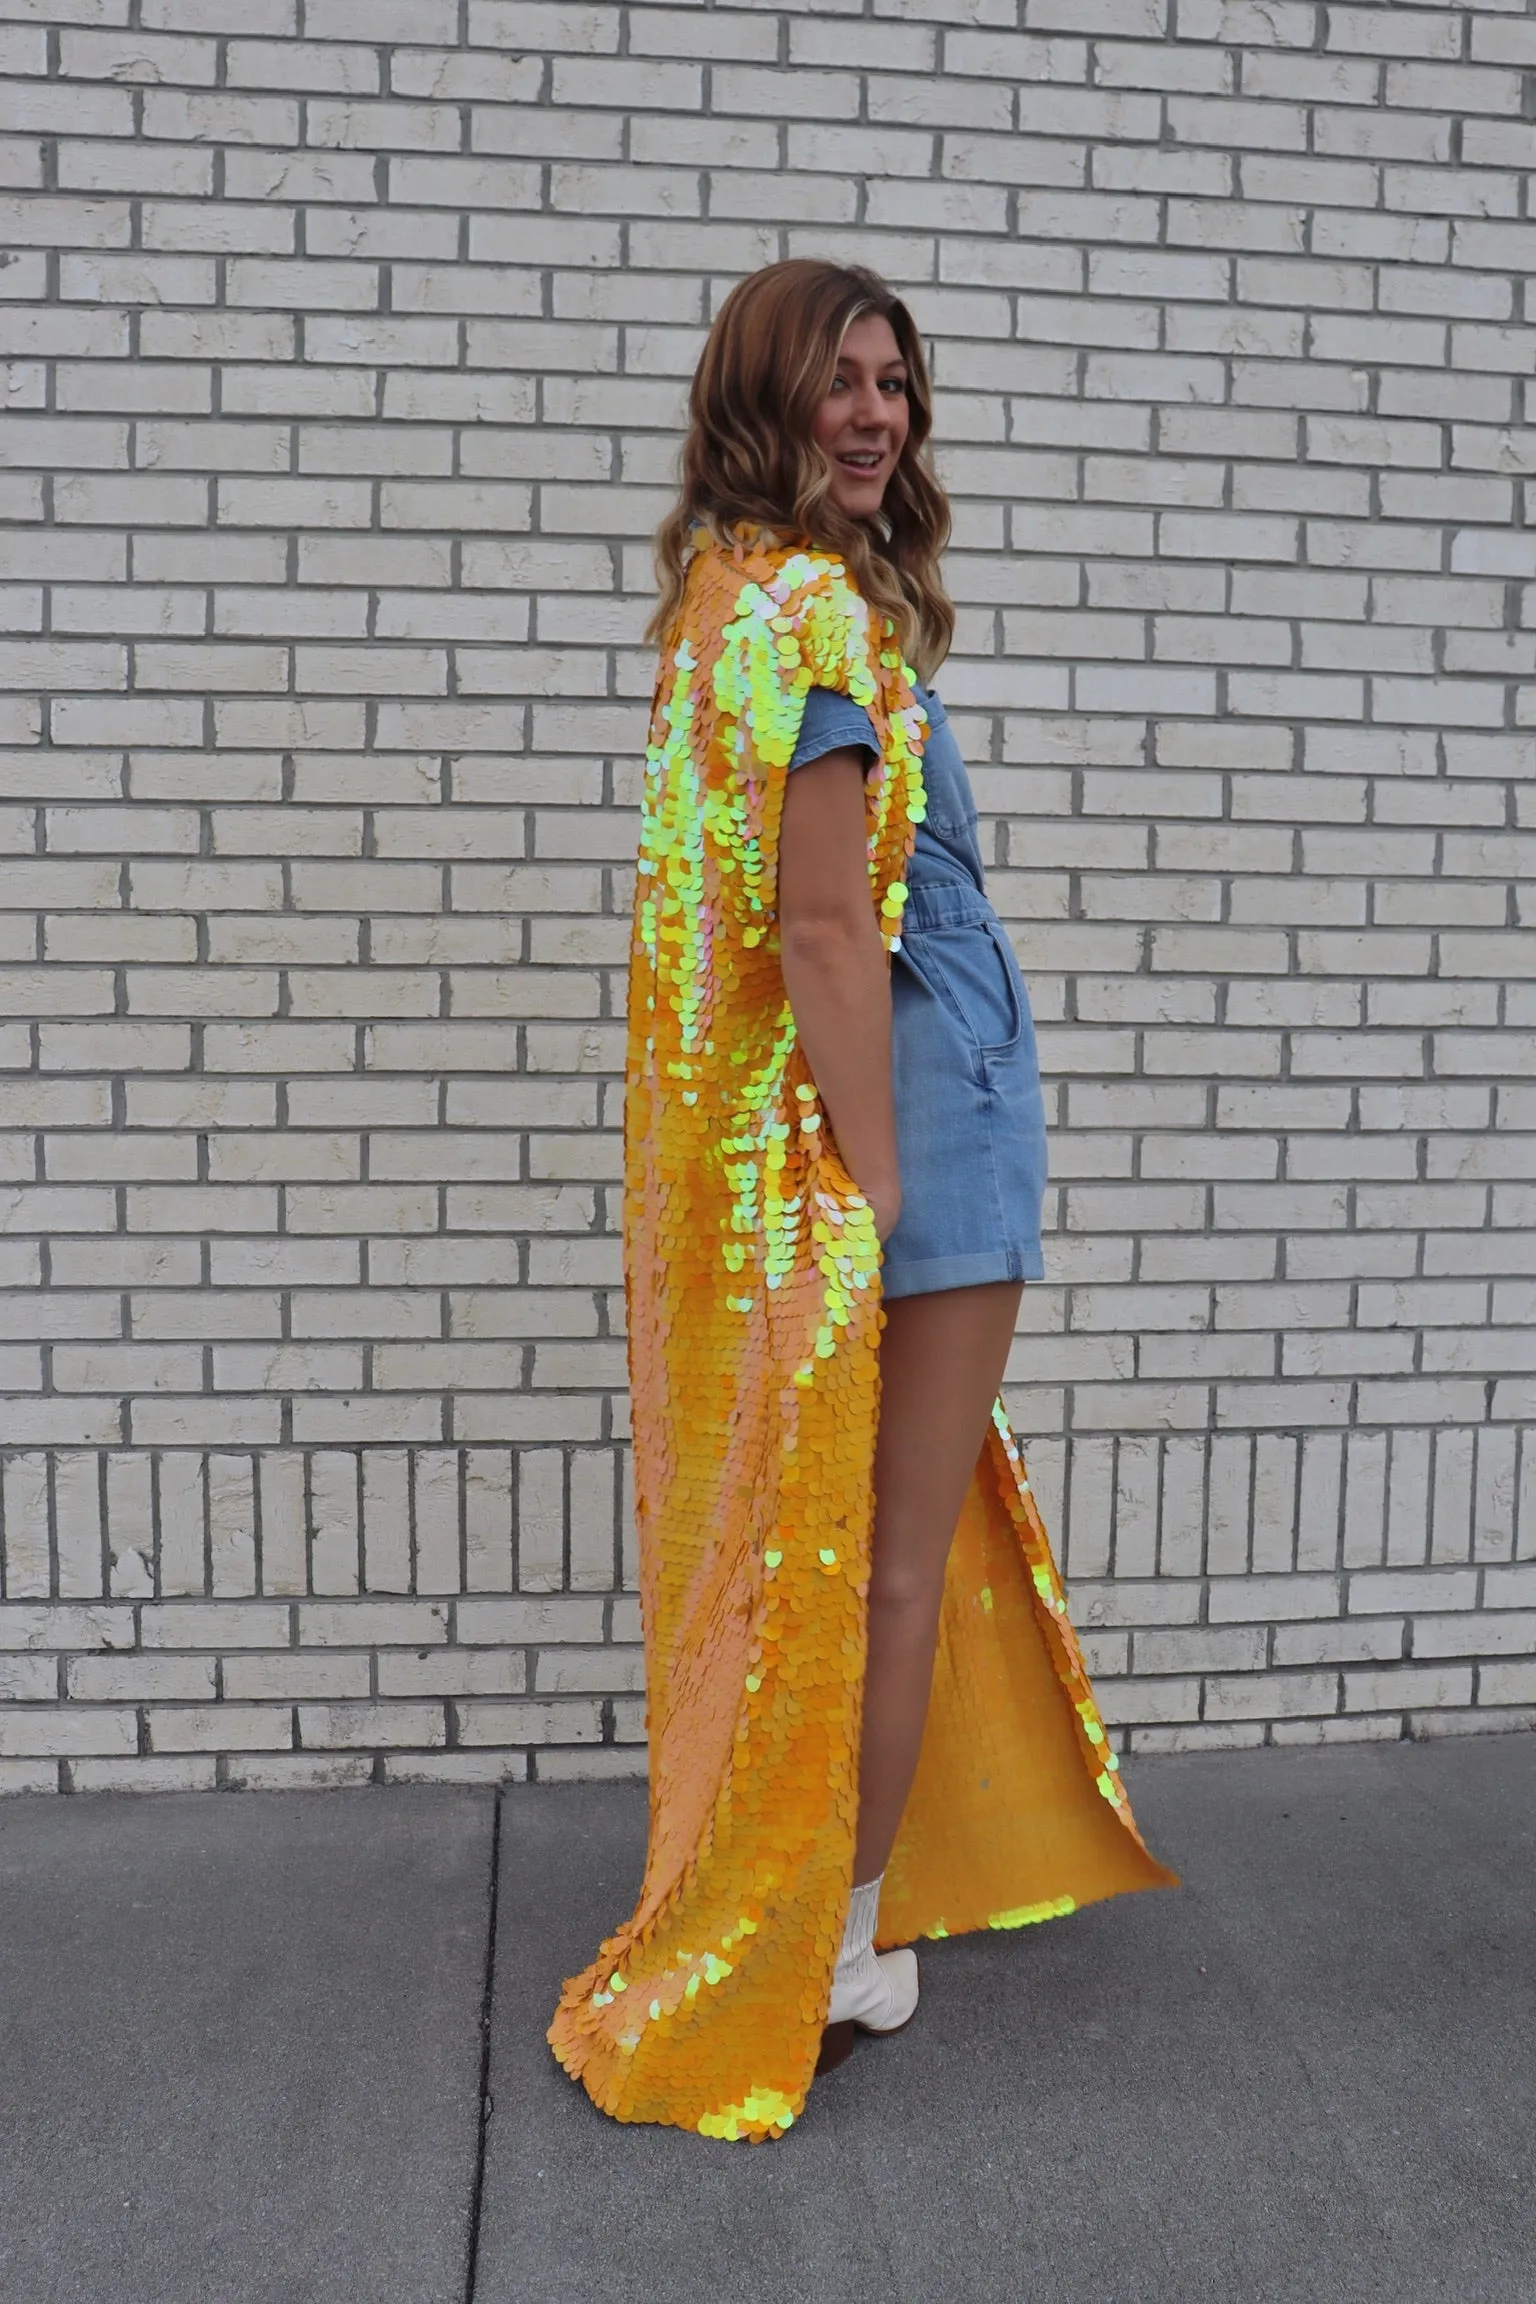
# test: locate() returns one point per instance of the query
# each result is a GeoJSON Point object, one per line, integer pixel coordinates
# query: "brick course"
{"type": "Point", "coordinates": [344, 344]}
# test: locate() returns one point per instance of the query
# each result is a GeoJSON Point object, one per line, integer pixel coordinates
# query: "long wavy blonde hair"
{"type": "Point", "coordinates": [749, 456]}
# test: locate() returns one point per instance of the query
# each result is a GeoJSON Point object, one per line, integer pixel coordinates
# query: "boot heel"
{"type": "Point", "coordinates": [836, 2046]}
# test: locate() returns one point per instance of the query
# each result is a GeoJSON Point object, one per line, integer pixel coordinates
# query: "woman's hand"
{"type": "Point", "coordinates": [885, 1206]}
{"type": "Point", "coordinates": [837, 972]}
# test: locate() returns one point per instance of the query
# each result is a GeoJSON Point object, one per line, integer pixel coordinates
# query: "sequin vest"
{"type": "Point", "coordinates": [754, 1319]}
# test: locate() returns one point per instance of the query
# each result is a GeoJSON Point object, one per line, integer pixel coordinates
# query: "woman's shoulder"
{"type": "Point", "coordinates": [792, 570]}
{"type": "Point", "coordinates": [787, 605]}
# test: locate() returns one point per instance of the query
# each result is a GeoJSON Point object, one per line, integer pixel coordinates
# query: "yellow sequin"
{"type": "Point", "coordinates": [754, 1319]}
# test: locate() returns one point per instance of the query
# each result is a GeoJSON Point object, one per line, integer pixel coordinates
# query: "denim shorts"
{"type": "Point", "coordinates": [970, 1118]}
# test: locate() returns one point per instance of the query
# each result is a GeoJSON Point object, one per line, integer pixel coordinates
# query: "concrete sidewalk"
{"type": "Point", "coordinates": [242, 2059]}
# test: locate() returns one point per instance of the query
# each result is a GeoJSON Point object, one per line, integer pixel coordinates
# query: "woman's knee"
{"type": "Point", "coordinates": [905, 1589]}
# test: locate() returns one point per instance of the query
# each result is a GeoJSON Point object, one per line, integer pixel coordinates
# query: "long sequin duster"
{"type": "Point", "coordinates": [753, 1274]}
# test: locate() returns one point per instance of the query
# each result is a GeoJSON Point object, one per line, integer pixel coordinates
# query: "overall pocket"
{"type": "Point", "coordinates": [969, 967]}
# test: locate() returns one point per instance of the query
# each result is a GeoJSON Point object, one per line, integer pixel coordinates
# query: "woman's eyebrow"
{"type": "Point", "coordinates": [848, 363]}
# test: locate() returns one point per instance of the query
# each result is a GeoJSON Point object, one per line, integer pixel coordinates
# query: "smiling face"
{"type": "Point", "coordinates": [861, 425]}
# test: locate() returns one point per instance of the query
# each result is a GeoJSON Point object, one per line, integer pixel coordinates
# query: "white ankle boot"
{"type": "Point", "coordinates": [877, 1991]}
{"type": "Point", "coordinates": [881, 1996]}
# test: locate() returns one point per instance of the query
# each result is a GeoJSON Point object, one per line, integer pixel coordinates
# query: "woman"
{"type": "Point", "coordinates": [832, 1099]}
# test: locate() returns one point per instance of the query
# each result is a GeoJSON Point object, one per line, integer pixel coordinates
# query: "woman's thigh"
{"type": "Point", "coordinates": [941, 1361]}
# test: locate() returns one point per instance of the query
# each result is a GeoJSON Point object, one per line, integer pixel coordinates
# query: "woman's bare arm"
{"type": "Point", "coordinates": [836, 971]}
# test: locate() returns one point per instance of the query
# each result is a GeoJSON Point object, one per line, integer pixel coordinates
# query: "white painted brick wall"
{"type": "Point", "coordinates": [344, 343]}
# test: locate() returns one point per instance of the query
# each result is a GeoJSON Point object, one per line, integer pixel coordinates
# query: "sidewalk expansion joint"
{"type": "Point", "coordinates": [487, 2005]}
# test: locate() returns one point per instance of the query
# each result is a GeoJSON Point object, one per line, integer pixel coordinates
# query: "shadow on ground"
{"type": "Point", "coordinates": [240, 2063]}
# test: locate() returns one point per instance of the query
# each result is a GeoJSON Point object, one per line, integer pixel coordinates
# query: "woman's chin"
{"type": "Point", "coordinates": [859, 503]}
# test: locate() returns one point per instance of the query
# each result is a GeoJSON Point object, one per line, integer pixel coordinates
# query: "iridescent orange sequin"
{"type": "Point", "coordinates": [754, 1312]}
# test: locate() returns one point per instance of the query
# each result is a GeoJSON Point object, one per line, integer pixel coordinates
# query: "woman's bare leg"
{"type": "Point", "coordinates": [941, 1362]}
